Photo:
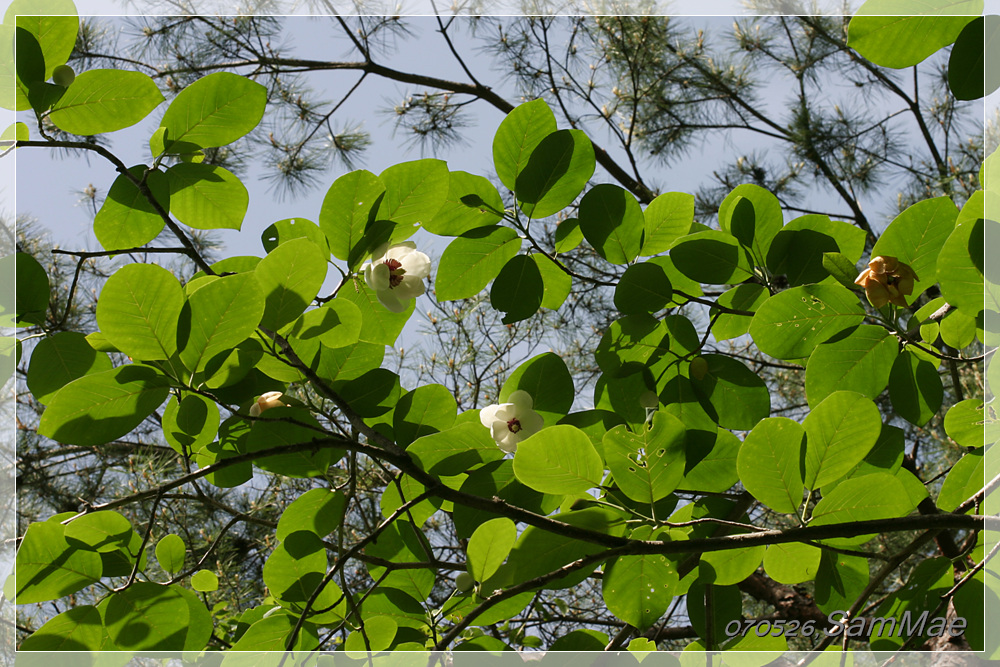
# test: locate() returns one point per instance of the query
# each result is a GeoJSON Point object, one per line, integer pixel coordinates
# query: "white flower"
{"type": "Point", "coordinates": [266, 402]}
{"type": "Point", "coordinates": [397, 274]}
{"type": "Point", "coordinates": [512, 422]}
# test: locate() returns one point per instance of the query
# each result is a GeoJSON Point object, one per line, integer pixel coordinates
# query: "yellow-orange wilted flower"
{"type": "Point", "coordinates": [267, 401]}
{"type": "Point", "coordinates": [887, 280]}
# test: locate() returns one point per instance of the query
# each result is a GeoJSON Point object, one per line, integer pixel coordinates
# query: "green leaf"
{"type": "Point", "coordinates": [747, 297]}
{"type": "Point", "coordinates": [191, 424]}
{"type": "Point", "coordinates": [964, 481]}
{"type": "Point", "coordinates": [151, 617]}
{"type": "Point", "coordinates": [711, 468]}
{"type": "Point", "coordinates": [272, 633]}
{"type": "Point", "coordinates": [730, 566]}
{"type": "Point", "coordinates": [646, 465]}
{"type": "Point", "coordinates": [489, 546]}
{"type": "Point", "coordinates": [958, 329]}
{"type": "Point", "coordinates": [101, 407]}
{"type": "Point", "coordinates": [903, 41]}
{"type": "Point", "coordinates": [127, 219]}
{"type": "Point", "coordinates": [559, 459]}
{"type": "Point", "coordinates": [768, 463]}
{"type": "Point", "coordinates": [666, 219]}
{"type": "Point", "coordinates": [215, 110]}
{"type": "Point", "coordinates": [841, 268]}
{"type": "Point", "coordinates": [207, 196]}
{"type": "Point", "coordinates": [31, 289]}
{"type": "Point", "coordinates": [335, 324]}
{"type": "Point", "coordinates": [840, 432]}
{"type": "Point", "coordinates": [968, 76]}
{"type": "Point", "coordinates": [790, 324]}
{"type": "Point", "coordinates": [294, 571]}
{"type": "Point", "coordinates": [426, 410]}
{"type": "Point", "coordinates": [472, 260]}
{"type": "Point", "coordinates": [377, 636]}
{"type": "Point", "coordinates": [497, 479]}
{"type": "Point", "coordinates": [220, 315]}
{"type": "Point", "coordinates": [53, 23]}
{"type": "Point", "coordinates": [105, 100]}
{"type": "Point", "coordinates": [840, 580]}
{"type": "Point", "coordinates": [637, 588]}
{"type": "Point", "coordinates": [557, 283]}
{"type": "Point", "coordinates": [916, 236]}
{"type": "Point", "coordinates": [76, 629]}
{"type": "Point", "coordinates": [798, 250]}
{"type": "Point", "coordinates": [348, 208]}
{"type": "Point", "coordinates": [915, 388]}
{"type": "Point", "coordinates": [139, 309]}
{"type": "Point", "coordinates": [58, 360]}
{"type": "Point", "coordinates": [269, 433]}
{"type": "Point", "coordinates": [290, 229]}
{"type": "Point", "coordinates": [205, 581]}
{"type": "Point", "coordinates": [726, 607]}
{"type": "Point", "coordinates": [713, 257]}
{"type": "Point", "coordinates": [290, 278]}
{"type": "Point", "coordinates": [792, 563]}
{"type": "Point", "coordinates": [549, 383]}
{"type": "Point", "coordinates": [568, 235]}
{"type": "Point", "coordinates": [964, 422]}
{"type": "Point", "coordinates": [472, 202]}
{"type": "Point", "coordinates": [960, 265]}
{"type": "Point", "coordinates": [455, 450]}
{"type": "Point", "coordinates": [347, 363]}
{"type": "Point", "coordinates": [518, 135]}
{"type": "Point", "coordinates": [581, 640]}
{"type": "Point", "coordinates": [612, 222]}
{"type": "Point", "coordinates": [103, 532]}
{"type": "Point", "coordinates": [400, 543]}
{"type": "Point", "coordinates": [876, 496]}
{"type": "Point", "coordinates": [556, 172]}
{"type": "Point", "coordinates": [47, 567]}
{"type": "Point", "coordinates": [378, 324]}
{"type": "Point", "coordinates": [929, 581]}
{"type": "Point", "coordinates": [518, 289]}
{"type": "Point", "coordinates": [16, 132]}
{"type": "Point", "coordinates": [643, 288]}
{"type": "Point", "coordinates": [319, 511]}
{"type": "Point", "coordinates": [170, 552]}
{"type": "Point", "coordinates": [414, 191]}
{"type": "Point", "coordinates": [737, 396]}
{"type": "Point", "coordinates": [373, 394]}
{"type": "Point", "coordinates": [767, 217]}
{"type": "Point", "coordinates": [859, 362]}
{"type": "Point", "coordinates": [404, 489]}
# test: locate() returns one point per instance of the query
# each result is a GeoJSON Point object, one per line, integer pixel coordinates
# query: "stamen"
{"type": "Point", "coordinates": [514, 425]}
{"type": "Point", "coordinates": [395, 272]}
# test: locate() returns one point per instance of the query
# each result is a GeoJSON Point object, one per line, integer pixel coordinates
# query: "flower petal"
{"type": "Point", "coordinates": [488, 415]}
{"type": "Point", "coordinates": [531, 423]}
{"type": "Point", "coordinates": [522, 400]}
{"type": "Point", "coordinates": [509, 444]}
{"type": "Point", "coordinates": [390, 301]}
{"type": "Point", "coordinates": [416, 264]}
{"type": "Point", "coordinates": [410, 288]}
{"type": "Point", "coordinates": [377, 277]}
{"type": "Point", "coordinates": [378, 255]}
{"type": "Point", "coordinates": [499, 431]}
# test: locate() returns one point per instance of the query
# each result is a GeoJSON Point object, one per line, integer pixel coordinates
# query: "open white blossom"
{"type": "Point", "coordinates": [397, 273]}
{"type": "Point", "coordinates": [271, 399]}
{"type": "Point", "coordinates": [512, 422]}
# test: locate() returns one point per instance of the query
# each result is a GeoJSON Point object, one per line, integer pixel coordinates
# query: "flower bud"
{"type": "Point", "coordinates": [267, 401]}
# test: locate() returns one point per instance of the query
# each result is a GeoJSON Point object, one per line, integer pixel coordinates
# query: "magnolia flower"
{"type": "Point", "coordinates": [887, 280]}
{"type": "Point", "coordinates": [510, 423]}
{"type": "Point", "coordinates": [397, 274]}
{"type": "Point", "coordinates": [266, 402]}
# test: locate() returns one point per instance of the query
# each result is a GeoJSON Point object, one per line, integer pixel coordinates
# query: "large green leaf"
{"type": "Point", "coordinates": [967, 478]}
{"type": "Point", "coordinates": [472, 202]}
{"type": "Point", "coordinates": [103, 532]}
{"type": "Point", "coordinates": [559, 460]}
{"type": "Point", "coordinates": [335, 324]}
{"type": "Point", "coordinates": [207, 196]}
{"type": "Point", "coordinates": [297, 426]}
{"type": "Point", "coordinates": [151, 617]}
{"type": "Point", "coordinates": [790, 324]}
{"type": "Point", "coordinates": [711, 465]}
{"type": "Point", "coordinates": [960, 265]}
{"type": "Point", "coordinates": [797, 250]}
{"type": "Point", "coordinates": [98, 408]}
{"type": "Point", "coordinates": [138, 311]}
{"type": "Point", "coordinates": [637, 588]}
{"type": "Point", "coordinates": [426, 410]}
{"type": "Point", "coordinates": [372, 394]}
{"type": "Point", "coordinates": [968, 76]}
{"type": "Point", "coordinates": [472, 260]}
{"type": "Point", "coordinates": [557, 170]}
{"type": "Point", "coordinates": [964, 422]}
{"type": "Point", "coordinates": [876, 496]}
{"type": "Point", "coordinates": [647, 466]}
{"type": "Point", "coordinates": [171, 552]}
{"type": "Point", "coordinates": [518, 289]}
{"type": "Point", "coordinates": [348, 208]}
{"type": "Point", "coordinates": [549, 383]}
{"type": "Point", "coordinates": [400, 543]}
{"type": "Point", "coordinates": [190, 424]}
{"type": "Point", "coordinates": [294, 571]}
{"type": "Point", "coordinates": [713, 257]}
{"type": "Point", "coordinates": [414, 191]}
{"type": "Point", "coordinates": [736, 396]}
{"type": "Point", "coordinates": [290, 229]}
{"type": "Point", "coordinates": [53, 23]}
{"type": "Point", "coordinates": [768, 463]}
{"type": "Point", "coordinates": [60, 359]}
{"type": "Point", "coordinates": [929, 581]}
{"type": "Point", "coordinates": [404, 489]}
{"type": "Point", "coordinates": [378, 324]}
{"type": "Point", "coordinates": [518, 134]}
{"type": "Point", "coordinates": [127, 219]}
{"type": "Point", "coordinates": [746, 297]}
{"type": "Point", "coordinates": [76, 629]}
{"type": "Point", "coordinates": [31, 289]}
{"type": "Point", "coordinates": [643, 288]}
{"type": "Point", "coordinates": [915, 388]}
{"type": "Point", "coordinates": [612, 222]}
{"type": "Point", "coordinates": [839, 580]}
{"type": "Point", "coordinates": [858, 362]}
{"type": "Point", "coordinates": [220, 315]}
{"type": "Point", "coordinates": [916, 236]}
{"type": "Point", "coordinates": [215, 110]}
{"type": "Point", "coordinates": [455, 450]}
{"type": "Point", "coordinates": [47, 567]}
{"type": "Point", "coordinates": [753, 215]}
{"type": "Point", "coordinates": [667, 218]}
{"type": "Point", "coordinates": [555, 281]}
{"type": "Point", "coordinates": [902, 33]}
{"type": "Point", "coordinates": [290, 277]}
{"type": "Point", "coordinates": [730, 566]}
{"type": "Point", "coordinates": [318, 510]}
{"type": "Point", "coordinates": [496, 479]}
{"type": "Point", "coordinates": [840, 432]}
{"type": "Point", "coordinates": [792, 563]}
{"type": "Point", "coordinates": [489, 546]}
{"type": "Point", "coordinates": [105, 100]}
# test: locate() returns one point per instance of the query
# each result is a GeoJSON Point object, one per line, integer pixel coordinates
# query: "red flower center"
{"type": "Point", "coordinates": [514, 425]}
{"type": "Point", "coordinates": [395, 272]}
